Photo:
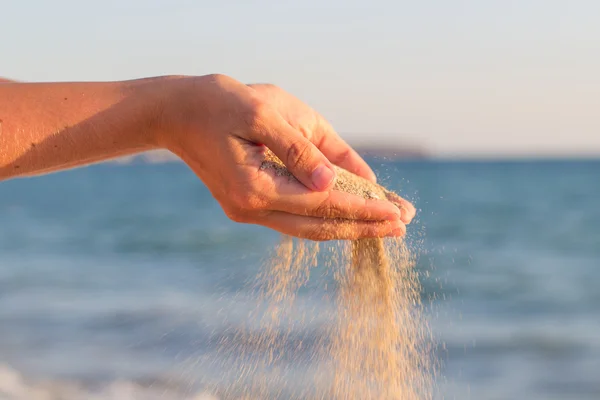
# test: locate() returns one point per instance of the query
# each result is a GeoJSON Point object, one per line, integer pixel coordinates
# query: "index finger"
{"type": "Point", "coordinates": [339, 152]}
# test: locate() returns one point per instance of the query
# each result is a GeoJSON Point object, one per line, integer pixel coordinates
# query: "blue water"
{"type": "Point", "coordinates": [116, 280]}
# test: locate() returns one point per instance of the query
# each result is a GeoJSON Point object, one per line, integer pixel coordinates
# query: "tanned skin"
{"type": "Point", "coordinates": [219, 127]}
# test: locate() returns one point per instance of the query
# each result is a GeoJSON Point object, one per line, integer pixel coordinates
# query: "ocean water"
{"type": "Point", "coordinates": [116, 282]}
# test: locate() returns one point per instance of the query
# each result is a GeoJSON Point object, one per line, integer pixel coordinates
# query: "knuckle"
{"type": "Point", "coordinates": [372, 230]}
{"type": "Point", "coordinates": [335, 229]}
{"type": "Point", "coordinates": [342, 156]}
{"type": "Point", "coordinates": [270, 86]}
{"type": "Point", "coordinates": [327, 209]}
{"type": "Point", "coordinates": [298, 154]}
{"type": "Point", "coordinates": [349, 207]}
{"type": "Point", "coordinates": [256, 113]}
{"type": "Point", "coordinates": [219, 78]}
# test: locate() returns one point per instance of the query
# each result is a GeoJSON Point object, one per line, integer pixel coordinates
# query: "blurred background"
{"type": "Point", "coordinates": [116, 279]}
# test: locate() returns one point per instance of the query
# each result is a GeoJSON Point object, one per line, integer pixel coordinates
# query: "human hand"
{"type": "Point", "coordinates": [314, 128]}
{"type": "Point", "coordinates": [218, 125]}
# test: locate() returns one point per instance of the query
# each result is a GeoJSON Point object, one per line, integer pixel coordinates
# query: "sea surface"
{"type": "Point", "coordinates": [117, 281]}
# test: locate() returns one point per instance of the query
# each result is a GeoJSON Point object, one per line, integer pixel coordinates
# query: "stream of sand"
{"type": "Point", "coordinates": [377, 348]}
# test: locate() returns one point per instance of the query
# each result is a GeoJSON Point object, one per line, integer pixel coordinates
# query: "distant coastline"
{"type": "Point", "coordinates": [391, 153]}
{"type": "Point", "coordinates": [388, 153]}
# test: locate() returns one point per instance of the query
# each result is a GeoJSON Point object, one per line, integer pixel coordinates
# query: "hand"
{"type": "Point", "coordinates": [218, 126]}
{"type": "Point", "coordinates": [314, 128]}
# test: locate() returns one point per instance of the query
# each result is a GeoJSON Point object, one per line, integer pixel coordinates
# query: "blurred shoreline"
{"type": "Point", "coordinates": [393, 154]}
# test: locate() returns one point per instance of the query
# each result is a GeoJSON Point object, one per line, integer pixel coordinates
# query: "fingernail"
{"type": "Point", "coordinates": [322, 177]}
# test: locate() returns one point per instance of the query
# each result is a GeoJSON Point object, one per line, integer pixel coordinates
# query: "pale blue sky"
{"type": "Point", "coordinates": [509, 77]}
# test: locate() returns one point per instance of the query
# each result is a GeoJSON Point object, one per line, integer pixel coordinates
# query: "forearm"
{"type": "Point", "coordinates": [46, 127]}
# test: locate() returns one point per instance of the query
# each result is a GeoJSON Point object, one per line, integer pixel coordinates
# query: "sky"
{"type": "Point", "coordinates": [460, 78]}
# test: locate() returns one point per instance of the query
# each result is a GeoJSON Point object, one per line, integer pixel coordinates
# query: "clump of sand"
{"type": "Point", "coordinates": [377, 347]}
{"type": "Point", "coordinates": [345, 181]}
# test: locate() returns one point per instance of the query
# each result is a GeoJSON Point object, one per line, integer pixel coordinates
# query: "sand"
{"type": "Point", "coordinates": [345, 180]}
{"type": "Point", "coordinates": [377, 346]}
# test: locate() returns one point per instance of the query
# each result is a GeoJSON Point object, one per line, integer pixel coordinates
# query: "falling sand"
{"type": "Point", "coordinates": [377, 347]}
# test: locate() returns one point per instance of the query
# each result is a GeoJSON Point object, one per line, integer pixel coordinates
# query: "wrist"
{"type": "Point", "coordinates": [182, 105]}
{"type": "Point", "coordinates": [159, 102]}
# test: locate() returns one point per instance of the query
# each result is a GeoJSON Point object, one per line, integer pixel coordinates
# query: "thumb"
{"type": "Point", "coordinates": [302, 158]}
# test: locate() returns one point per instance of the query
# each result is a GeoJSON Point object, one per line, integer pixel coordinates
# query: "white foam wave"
{"type": "Point", "coordinates": [14, 386]}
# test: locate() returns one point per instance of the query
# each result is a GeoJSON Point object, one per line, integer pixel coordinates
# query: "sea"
{"type": "Point", "coordinates": [117, 281]}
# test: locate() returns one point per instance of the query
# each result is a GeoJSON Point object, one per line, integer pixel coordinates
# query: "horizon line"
{"type": "Point", "coordinates": [165, 156]}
